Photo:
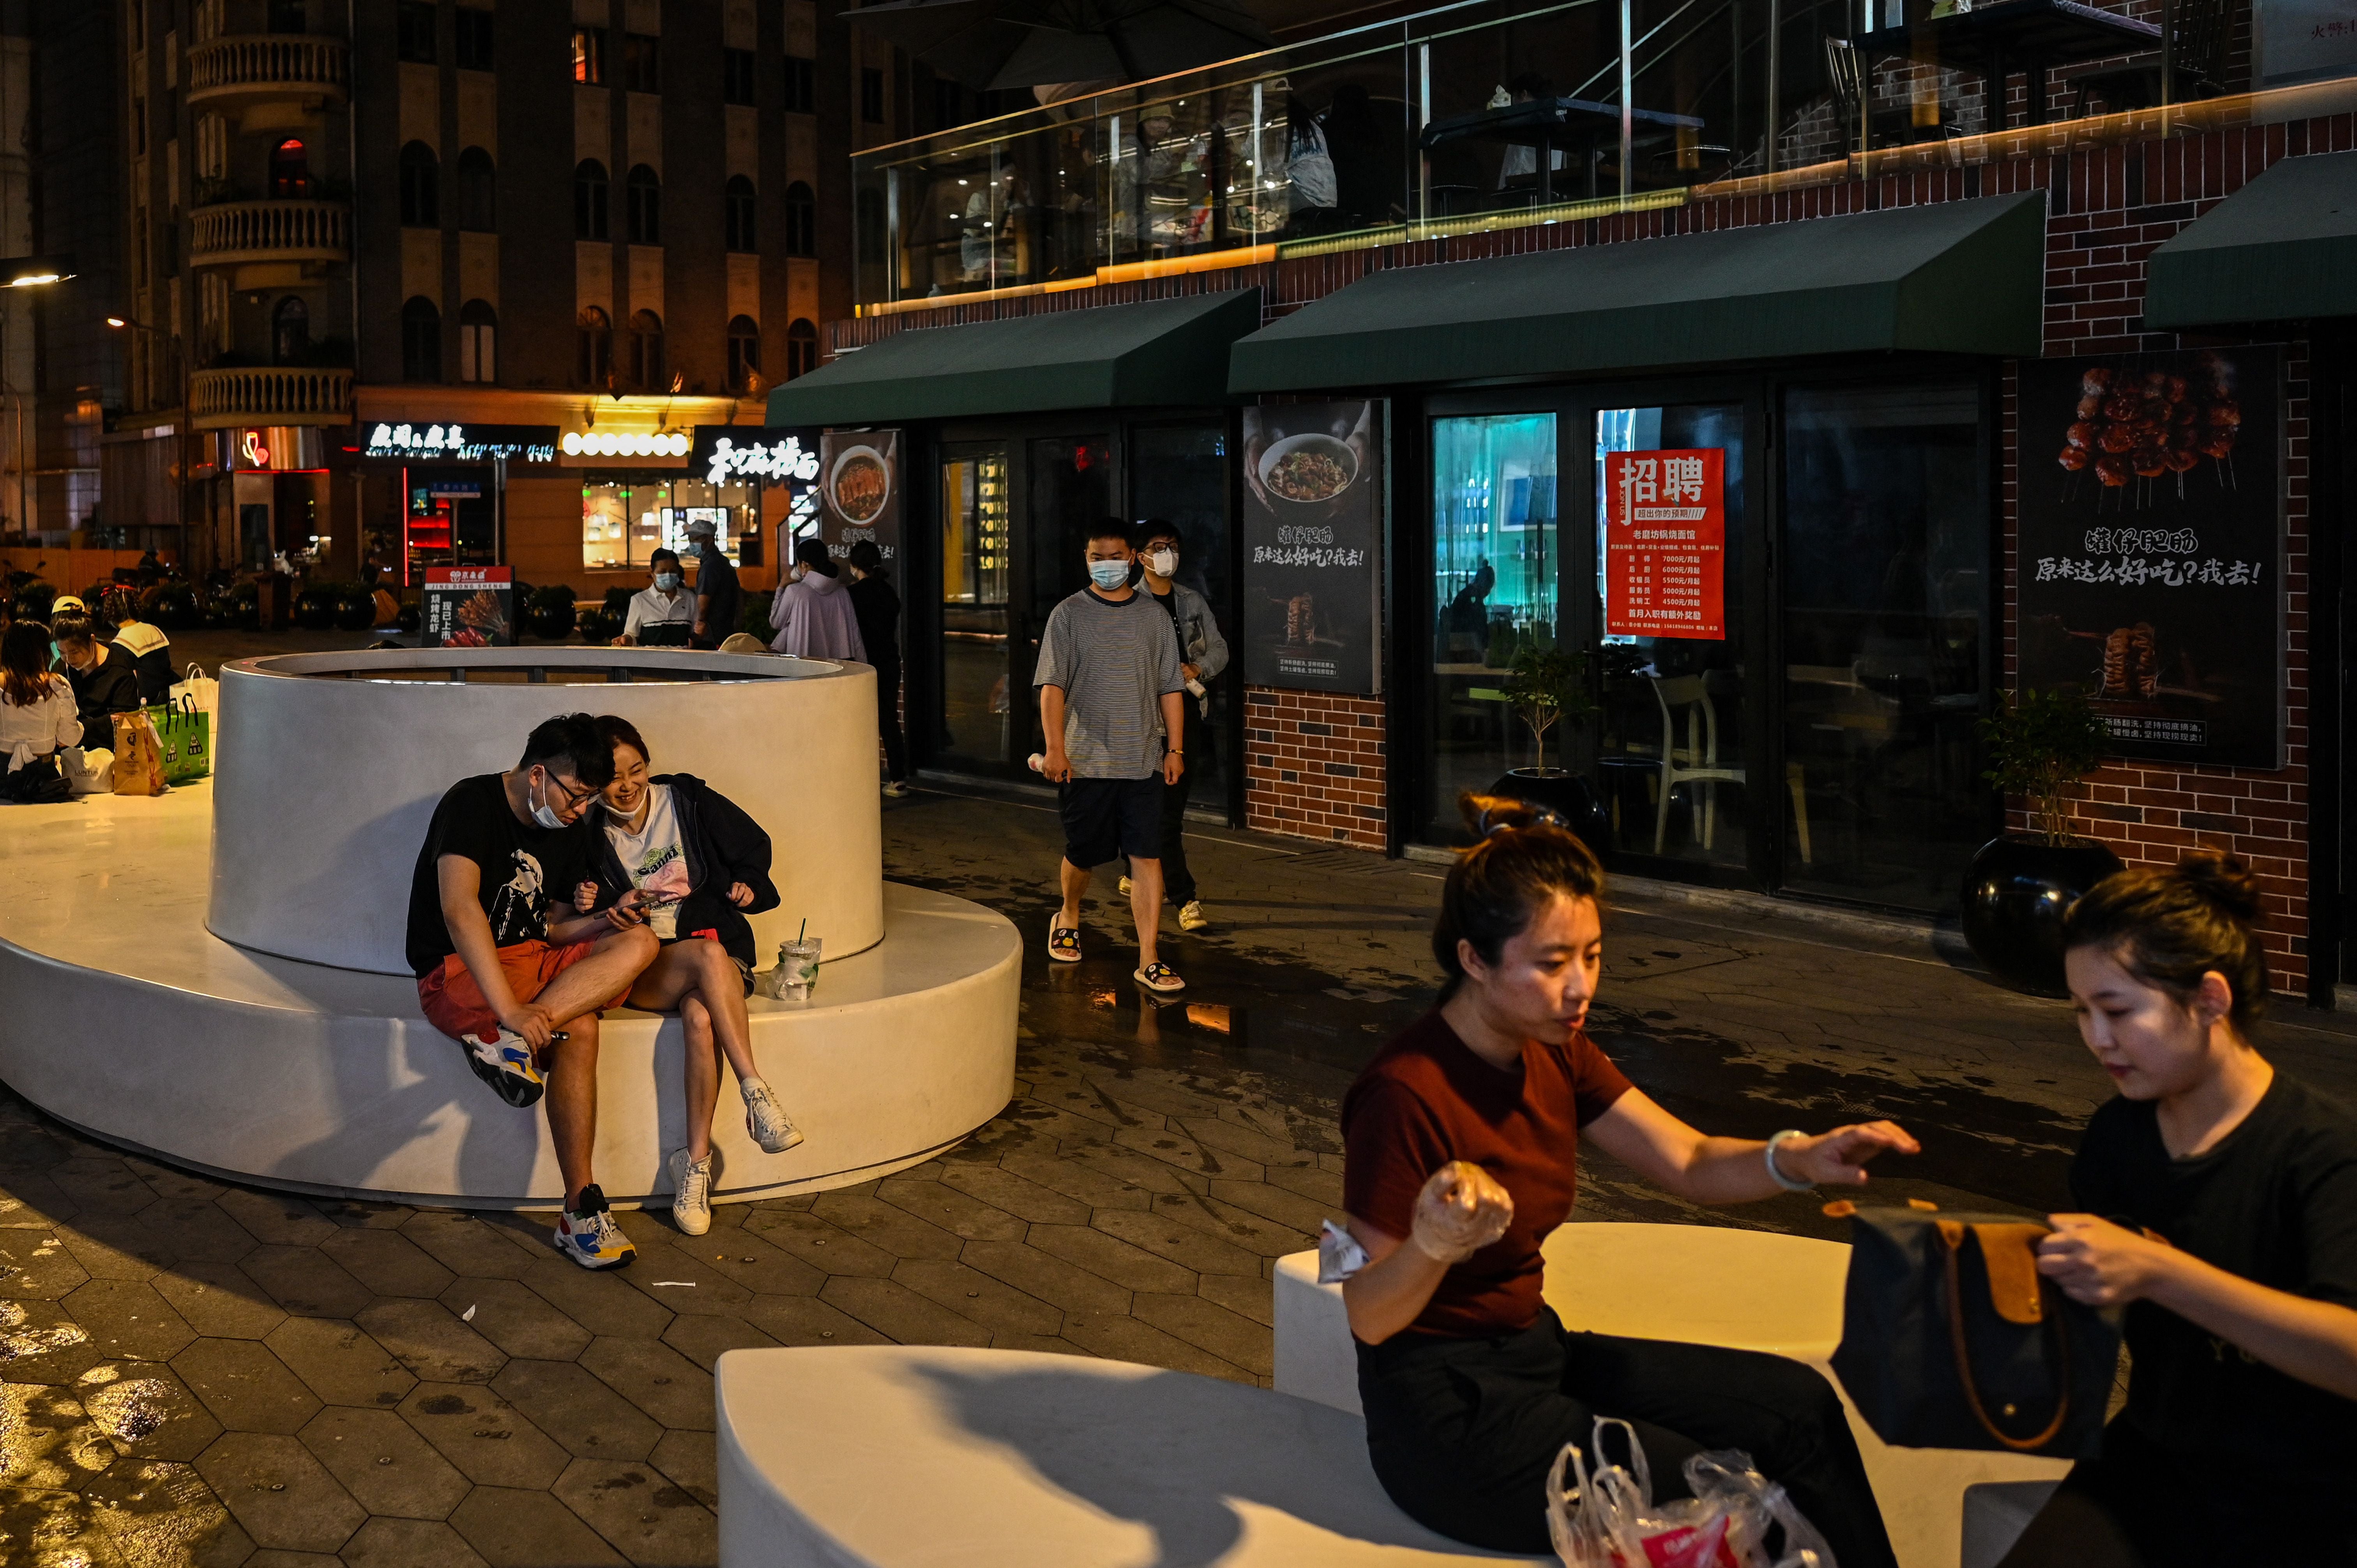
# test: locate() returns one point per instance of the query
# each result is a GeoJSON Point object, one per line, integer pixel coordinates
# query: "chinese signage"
{"type": "Point", "coordinates": [468, 607]}
{"type": "Point", "coordinates": [2302, 40]}
{"type": "Point", "coordinates": [1665, 543]}
{"type": "Point", "coordinates": [1313, 511]}
{"type": "Point", "coordinates": [462, 443]}
{"type": "Point", "coordinates": [2151, 549]}
{"type": "Point", "coordinates": [858, 494]}
{"type": "Point", "coordinates": [772, 458]}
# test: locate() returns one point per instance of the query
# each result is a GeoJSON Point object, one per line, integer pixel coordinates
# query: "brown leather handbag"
{"type": "Point", "coordinates": [1951, 1339]}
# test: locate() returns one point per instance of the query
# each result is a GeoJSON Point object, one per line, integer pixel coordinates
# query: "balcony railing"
{"type": "Point", "coordinates": [239, 232]}
{"type": "Point", "coordinates": [1502, 114]}
{"type": "Point", "coordinates": [269, 395]}
{"type": "Point", "coordinates": [228, 70]}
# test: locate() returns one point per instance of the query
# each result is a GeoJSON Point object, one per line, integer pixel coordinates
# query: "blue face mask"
{"type": "Point", "coordinates": [668, 582]}
{"type": "Point", "coordinates": [1109, 574]}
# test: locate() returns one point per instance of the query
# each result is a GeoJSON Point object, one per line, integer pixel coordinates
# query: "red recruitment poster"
{"type": "Point", "coordinates": [1665, 543]}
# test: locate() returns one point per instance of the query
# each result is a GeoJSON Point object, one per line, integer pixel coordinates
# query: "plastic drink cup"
{"type": "Point", "coordinates": [798, 966]}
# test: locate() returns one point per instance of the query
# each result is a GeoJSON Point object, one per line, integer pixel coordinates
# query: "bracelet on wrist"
{"type": "Point", "coordinates": [1775, 1172]}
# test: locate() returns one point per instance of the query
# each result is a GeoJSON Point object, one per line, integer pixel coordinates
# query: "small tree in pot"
{"type": "Point", "coordinates": [1546, 686]}
{"type": "Point", "coordinates": [2041, 746]}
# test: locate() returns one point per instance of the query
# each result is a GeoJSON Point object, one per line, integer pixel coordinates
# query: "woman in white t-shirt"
{"type": "Point", "coordinates": [38, 717]}
{"type": "Point", "coordinates": [683, 860]}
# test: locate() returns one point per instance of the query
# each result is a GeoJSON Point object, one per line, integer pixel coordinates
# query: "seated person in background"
{"type": "Point", "coordinates": [38, 718]}
{"type": "Point", "coordinates": [150, 650]}
{"type": "Point", "coordinates": [2220, 1210]}
{"type": "Point", "coordinates": [682, 860]}
{"type": "Point", "coordinates": [813, 611]}
{"type": "Point", "coordinates": [105, 678]}
{"type": "Point", "coordinates": [665, 603]}
{"type": "Point", "coordinates": [1460, 1142]}
{"type": "Point", "coordinates": [507, 967]}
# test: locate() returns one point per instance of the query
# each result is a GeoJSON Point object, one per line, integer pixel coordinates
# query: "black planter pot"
{"type": "Point", "coordinates": [314, 610]}
{"type": "Point", "coordinates": [2015, 893]}
{"type": "Point", "coordinates": [551, 620]}
{"type": "Point", "coordinates": [1568, 795]}
{"type": "Point", "coordinates": [355, 611]}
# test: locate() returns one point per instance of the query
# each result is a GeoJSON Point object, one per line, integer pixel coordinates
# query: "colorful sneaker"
{"type": "Point", "coordinates": [588, 1235]}
{"type": "Point", "coordinates": [1191, 917]}
{"type": "Point", "coordinates": [691, 1193]}
{"type": "Point", "coordinates": [1063, 943]}
{"type": "Point", "coordinates": [1159, 976]}
{"type": "Point", "coordinates": [505, 1062]}
{"type": "Point", "coordinates": [765, 1121]}
{"type": "Point", "coordinates": [1125, 886]}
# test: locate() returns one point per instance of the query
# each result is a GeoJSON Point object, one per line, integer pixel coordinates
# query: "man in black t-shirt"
{"type": "Point", "coordinates": [506, 967]}
{"type": "Point", "coordinates": [719, 602]}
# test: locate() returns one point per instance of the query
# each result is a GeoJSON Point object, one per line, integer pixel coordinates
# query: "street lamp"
{"type": "Point", "coordinates": [26, 271]}
{"type": "Point", "coordinates": [180, 359]}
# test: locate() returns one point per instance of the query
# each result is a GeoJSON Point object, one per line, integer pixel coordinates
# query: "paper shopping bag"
{"type": "Point", "coordinates": [138, 756]}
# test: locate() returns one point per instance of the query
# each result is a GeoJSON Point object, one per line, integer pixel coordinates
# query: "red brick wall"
{"type": "Point", "coordinates": [1313, 766]}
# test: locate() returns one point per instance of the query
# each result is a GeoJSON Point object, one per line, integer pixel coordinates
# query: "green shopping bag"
{"type": "Point", "coordinates": [186, 732]}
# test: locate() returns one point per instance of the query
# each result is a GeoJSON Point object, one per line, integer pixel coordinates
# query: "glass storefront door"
{"type": "Point", "coordinates": [1676, 754]}
{"type": "Point", "coordinates": [1885, 633]}
{"type": "Point", "coordinates": [1179, 473]}
{"type": "Point", "coordinates": [1495, 569]}
{"type": "Point", "coordinates": [976, 732]}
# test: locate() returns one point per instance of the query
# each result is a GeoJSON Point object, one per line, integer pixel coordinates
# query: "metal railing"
{"type": "Point", "coordinates": [291, 231]}
{"type": "Point", "coordinates": [269, 395]}
{"type": "Point", "coordinates": [268, 65]}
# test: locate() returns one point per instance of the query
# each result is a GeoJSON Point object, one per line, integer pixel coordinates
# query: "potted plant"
{"type": "Point", "coordinates": [2040, 744]}
{"type": "Point", "coordinates": [1546, 686]}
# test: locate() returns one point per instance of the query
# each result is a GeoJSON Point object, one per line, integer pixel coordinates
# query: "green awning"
{"type": "Point", "coordinates": [2282, 248]}
{"type": "Point", "coordinates": [1958, 276]}
{"type": "Point", "coordinates": [1164, 353]}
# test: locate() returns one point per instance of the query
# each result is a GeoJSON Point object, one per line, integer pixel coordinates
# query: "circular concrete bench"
{"type": "Point", "coordinates": [1705, 1285]}
{"type": "Point", "coordinates": [894, 1456]}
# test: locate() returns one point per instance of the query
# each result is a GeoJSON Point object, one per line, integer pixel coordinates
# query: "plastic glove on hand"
{"type": "Point", "coordinates": [1460, 1210]}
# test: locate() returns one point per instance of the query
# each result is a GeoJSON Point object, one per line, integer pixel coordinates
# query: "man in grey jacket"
{"type": "Point", "coordinates": [1203, 653]}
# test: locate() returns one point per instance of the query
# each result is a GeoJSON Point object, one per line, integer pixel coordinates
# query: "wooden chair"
{"type": "Point", "coordinates": [1697, 762]}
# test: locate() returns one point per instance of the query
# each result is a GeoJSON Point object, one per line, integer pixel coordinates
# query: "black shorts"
{"type": "Point", "coordinates": [1105, 819]}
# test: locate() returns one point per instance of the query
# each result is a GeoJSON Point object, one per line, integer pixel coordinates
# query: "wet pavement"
{"type": "Point", "coordinates": [199, 1373]}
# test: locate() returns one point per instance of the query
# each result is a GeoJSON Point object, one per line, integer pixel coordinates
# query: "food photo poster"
{"type": "Point", "coordinates": [1313, 515]}
{"type": "Point", "coordinates": [2152, 548]}
{"type": "Point", "coordinates": [859, 491]}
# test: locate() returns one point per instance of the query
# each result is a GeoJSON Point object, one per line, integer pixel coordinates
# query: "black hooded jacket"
{"type": "Point", "coordinates": [99, 694]}
{"type": "Point", "coordinates": [723, 845]}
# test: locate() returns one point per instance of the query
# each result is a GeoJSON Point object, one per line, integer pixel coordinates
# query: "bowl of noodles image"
{"type": "Point", "coordinates": [1309, 469]}
{"type": "Point", "coordinates": [859, 484]}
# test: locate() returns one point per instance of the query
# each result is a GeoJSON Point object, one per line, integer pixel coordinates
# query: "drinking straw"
{"type": "Point", "coordinates": [803, 932]}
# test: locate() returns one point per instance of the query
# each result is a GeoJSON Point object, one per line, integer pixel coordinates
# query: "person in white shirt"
{"type": "Point", "coordinates": [38, 716]}
{"type": "Point", "coordinates": [666, 602]}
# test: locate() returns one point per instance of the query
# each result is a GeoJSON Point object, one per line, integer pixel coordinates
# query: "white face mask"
{"type": "Point", "coordinates": [1163, 563]}
{"type": "Point", "coordinates": [542, 812]}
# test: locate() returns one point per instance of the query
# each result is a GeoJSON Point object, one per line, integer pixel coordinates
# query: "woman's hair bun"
{"type": "Point", "coordinates": [2222, 878]}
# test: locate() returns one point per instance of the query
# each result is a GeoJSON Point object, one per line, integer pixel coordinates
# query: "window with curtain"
{"type": "Point", "coordinates": [801, 349]}
{"type": "Point", "coordinates": [421, 340]}
{"type": "Point", "coordinates": [421, 187]}
{"type": "Point", "coordinates": [801, 220]}
{"type": "Point", "coordinates": [743, 354]}
{"type": "Point", "coordinates": [589, 56]}
{"type": "Point", "coordinates": [479, 341]}
{"type": "Point", "coordinates": [641, 63]}
{"type": "Point", "coordinates": [290, 170]}
{"type": "Point", "coordinates": [645, 192]}
{"type": "Point", "coordinates": [589, 199]}
{"type": "Point", "coordinates": [647, 370]}
{"type": "Point", "coordinates": [594, 346]}
{"type": "Point", "coordinates": [478, 192]}
{"type": "Point", "coordinates": [737, 204]}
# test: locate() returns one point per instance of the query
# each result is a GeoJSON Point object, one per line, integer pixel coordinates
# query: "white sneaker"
{"type": "Point", "coordinates": [1191, 917]}
{"type": "Point", "coordinates": [766, 1122]}
{"type": "Point", "coordinates": [691, 1189]}
{"type": "Point", "coordinates": [897, 790]}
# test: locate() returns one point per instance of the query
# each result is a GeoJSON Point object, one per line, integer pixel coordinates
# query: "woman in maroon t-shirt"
{"type": "Point", "coordinates": [1460, 1142]}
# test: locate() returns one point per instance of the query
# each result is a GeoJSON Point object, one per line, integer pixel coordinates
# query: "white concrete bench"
{"type": "Point", "coordinates": [1747, 1290]}
{"type": "Point", "coordinates": [897, 1456]}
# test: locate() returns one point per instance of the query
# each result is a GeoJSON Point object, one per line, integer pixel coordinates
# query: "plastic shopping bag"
{"type": "Point", "coordinates": [201, 690]}
{"type": "Point", "coordinates": [1608, 1519]}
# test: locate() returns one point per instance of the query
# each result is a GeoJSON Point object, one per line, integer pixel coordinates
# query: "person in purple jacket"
{"type": "Point", "coordinates": [813, 611]}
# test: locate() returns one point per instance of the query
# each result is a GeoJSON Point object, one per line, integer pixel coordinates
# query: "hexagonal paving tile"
{"type": "Point", "coordinates": [489, 1441]}
{"type": "Point", "coordinates": [279, 1493]}
{"type": "Point", "coordinates": [433, 1342]}
{"type": "Point", "coordinates": [383, 1461]}
{"type": "Point", "coordinates": [246, 1387]}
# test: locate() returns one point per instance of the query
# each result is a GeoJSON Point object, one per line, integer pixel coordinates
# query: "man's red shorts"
{"type": "Point", "coordinates": [454, 1003]}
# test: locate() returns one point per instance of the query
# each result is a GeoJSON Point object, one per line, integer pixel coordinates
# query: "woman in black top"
{"type": "Point", "coordinates": [2220, 1202]}
{"type": "Point", "coordinates": [878, 610]}
{"type": "Point", "coordinates": [104, 678]}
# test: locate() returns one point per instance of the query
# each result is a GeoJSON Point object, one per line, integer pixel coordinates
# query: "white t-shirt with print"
{"type": "Point", "coordinates": [656, 860]}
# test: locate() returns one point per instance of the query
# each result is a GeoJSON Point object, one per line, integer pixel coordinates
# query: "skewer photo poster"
{"type": "Point", "coordinates": [2151, 548]}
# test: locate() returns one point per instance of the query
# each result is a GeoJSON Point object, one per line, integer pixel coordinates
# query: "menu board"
{"type": "Point", "coordinates": [2151, 548]}
{"type": "Point", "coordinates": [1313, 516]}
{"type": "Point", "coordinates": [468, 606]}
{"type": "Point", "coordinates": [1665, 543]}
{"type": "Point", "coordinates": [859, 489]}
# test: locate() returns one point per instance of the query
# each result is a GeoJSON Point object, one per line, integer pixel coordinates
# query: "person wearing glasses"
{"type": "Point", "coordinates": [506, 965]}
